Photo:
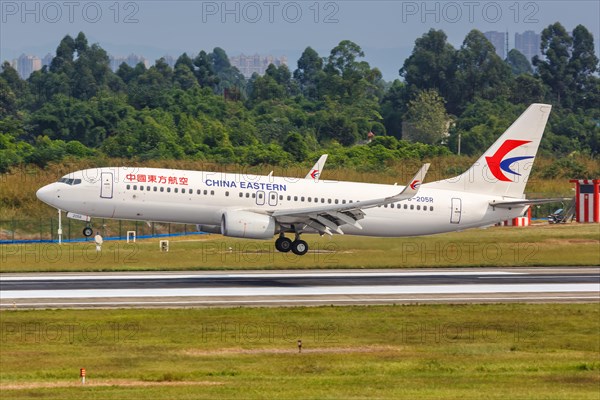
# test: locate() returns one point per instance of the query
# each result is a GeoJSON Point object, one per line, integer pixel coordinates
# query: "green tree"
{"type": "Point", "coordinates": [393, 108]}
{"type": "Point", "coordinates": [309, 73]}
{"type": "Point", "coordinates": [427, 118]}
{"type": "Point", "coordinates": [583, 64]}
{"type": "Point", "coordinates": [527, 89]}
{"type": "Point", "coordinates": [554, 67]}
{"type": "Point", "coordinates": [205, 72]}
{"type": "Point", "coordinates": [432, 65]}
{"type": "Point", "coordinates": [518, 63]}
{"type": "Point", "coordinates": [480, 73]}
{"type": "Point", "coordinates": [296, 145]}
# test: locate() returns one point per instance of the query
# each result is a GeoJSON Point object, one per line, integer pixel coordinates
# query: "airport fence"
{"type": "Point", "coordinates": [46, 229]}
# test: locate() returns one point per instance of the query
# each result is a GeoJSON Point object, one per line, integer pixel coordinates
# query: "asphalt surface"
{"type": "Point", "coordinates": [159, 289]}
{"type": "Point", "coordinates": [296, 280]}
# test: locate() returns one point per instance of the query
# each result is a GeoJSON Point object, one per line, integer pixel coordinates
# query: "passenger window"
{"type": "Point", "coordinates": [289, 198]}
{"type": "Point", "coordinates": [241, 194]}
{"type": "Point", "coordinates": [212, 192]}
{"type": "Point", "coordinates": [418, 207]}
{"type": "Point", "coordinates": [128, 187]}
{"type": "Point", "coordinates": [309, 199]}
{"type": "Point", "coordinates": [176, 190]}
{"type": "Point", "coordinates": [247, 195]}
{"type": "Point", "coordinates": [295, 198]}
{"type": "Point", "coordinates": [155, 188]}
{"type": "Point", "coordinates": [205, 192]}
{"type": "Point", "coordinates": [134, 187]}
{"type": "Point", "coordinates": [226, 194]}
{"type": "Point", "coordinates": [337, 201]}
{"type": "Point", "coordinates": [190, 191]}
{"type": "Point", "coordinates": [431, 208]}
{"type": "Point", "coordinates": [412, 206]}
{"type": "Point", "coordinates": [162, 189]}
{"type": "Point", "coordinates": [168, 190]}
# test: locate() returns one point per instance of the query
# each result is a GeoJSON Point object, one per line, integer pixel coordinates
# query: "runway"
{"type": "Point", "coordinates": [313, 287]}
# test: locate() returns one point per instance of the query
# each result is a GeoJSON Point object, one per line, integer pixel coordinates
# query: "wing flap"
{"type": "Point", "coordinates": [326, 219]}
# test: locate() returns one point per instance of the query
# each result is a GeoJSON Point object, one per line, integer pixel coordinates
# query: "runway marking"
{"type": "Point", "coordinates": [544, 276]}
{"type": "Point", "coordinates": [299, 291]}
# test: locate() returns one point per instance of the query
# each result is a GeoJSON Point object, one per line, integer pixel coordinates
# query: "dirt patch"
{"type": "Point", "coordinates": [294, 350]}
{"type": "Point", "coordinates": [101, 382]}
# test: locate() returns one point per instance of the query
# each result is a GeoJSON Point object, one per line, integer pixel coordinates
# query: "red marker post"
{"type": "Point", "coordinates": [82, 375]}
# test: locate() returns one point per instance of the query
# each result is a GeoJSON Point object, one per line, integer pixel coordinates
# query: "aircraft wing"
{"type": "Point", "coordinates": [527, 202]}
{"type": "Point", "coordinates": [330, 217]}
{"type": "Point", "coordinates": [317, 169]}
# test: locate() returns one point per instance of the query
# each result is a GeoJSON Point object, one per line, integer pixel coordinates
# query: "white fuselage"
{"type": "Point", "coordinates": [201, 197]}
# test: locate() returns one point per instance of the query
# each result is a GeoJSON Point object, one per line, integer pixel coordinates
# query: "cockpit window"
{"type": "Point", "coordinates": [70, 181]}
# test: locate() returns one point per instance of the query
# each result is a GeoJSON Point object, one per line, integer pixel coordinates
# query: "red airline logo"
{"type": "Point", "coordinates": [497, 163]}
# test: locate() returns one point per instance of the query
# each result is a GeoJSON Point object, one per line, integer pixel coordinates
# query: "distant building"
{"type": "Point", "coordinates": [498, 39]}
{"type": "Point", "coordinates": [528, 43]}
{"type": "Point", "coordinates": [47, 60]}
{"type": "Point", "coordinates": [249, 65]}
{"type": "Point", "coordinates": [170, 60]}
{"type": "Point", "coordinates": [132, 60]}
{"type": "Point", "coordinates": [26, 65]}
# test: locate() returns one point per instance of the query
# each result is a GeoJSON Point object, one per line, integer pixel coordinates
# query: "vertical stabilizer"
{"type": "Point", "coordinates": [503, 170]}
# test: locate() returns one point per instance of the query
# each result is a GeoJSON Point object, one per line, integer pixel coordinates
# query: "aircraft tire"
{"type": "Point", "coordinates": [283, 244]}
{"type": "Point", "coordinates": [299, 247]}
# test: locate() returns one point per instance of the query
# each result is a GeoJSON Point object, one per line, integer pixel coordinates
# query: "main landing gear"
{"type": "Point", "coordinates": [298, 246]}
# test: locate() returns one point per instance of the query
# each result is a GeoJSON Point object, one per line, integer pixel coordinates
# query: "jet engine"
{"type": "Point", "coordinates": [249, 225]}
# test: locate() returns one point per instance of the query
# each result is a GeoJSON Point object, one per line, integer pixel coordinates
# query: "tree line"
{"type": "Point", "coordinates": [203, 108]}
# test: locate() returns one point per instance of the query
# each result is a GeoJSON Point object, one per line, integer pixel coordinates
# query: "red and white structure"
{"type": "Point", "coordinates": [587, 196]}
{"type": "Point", "coordinates": [518, 221]}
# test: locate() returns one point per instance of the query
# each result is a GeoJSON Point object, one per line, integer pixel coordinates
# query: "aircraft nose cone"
{"type": "Point", "coordinates": [46, 194]}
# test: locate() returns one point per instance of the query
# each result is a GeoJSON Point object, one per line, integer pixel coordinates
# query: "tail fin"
{"type": "Point", "coordinates": [317, 169]}
{"type": "Point", "coordinates": [503, 170]}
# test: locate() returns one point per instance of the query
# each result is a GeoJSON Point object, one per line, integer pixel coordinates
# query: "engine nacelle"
{"type": "Point", "coordinates": [249, 225]}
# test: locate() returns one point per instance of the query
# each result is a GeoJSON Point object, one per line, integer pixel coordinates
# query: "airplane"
{"type": "Point", "coordinates": [262, 207]}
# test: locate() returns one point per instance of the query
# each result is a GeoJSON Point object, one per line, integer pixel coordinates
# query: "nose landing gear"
{"type": "Point", "coordinates": [88, 231]}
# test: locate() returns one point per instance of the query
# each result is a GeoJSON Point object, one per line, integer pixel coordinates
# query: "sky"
{"type": "Point", "coordinates": [385, 30]}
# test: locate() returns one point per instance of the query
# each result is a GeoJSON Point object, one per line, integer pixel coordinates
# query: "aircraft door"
{"type": "Point", "coordinates": [272, 198]}
{"type": "Point", "coordinates": [260, 198]}
{"type": "Point", "coordinates": [456, 210]}
{"type": "Point", "coordinates": [106, 182]}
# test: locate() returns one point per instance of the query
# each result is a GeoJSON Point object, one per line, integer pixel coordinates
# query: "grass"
{"type": "Point", "coordinates": [517, 351]}
{"type": "Point", "coordinates": [540, 245]}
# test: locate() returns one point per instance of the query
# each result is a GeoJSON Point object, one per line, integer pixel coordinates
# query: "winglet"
{"type": "Point", "coordinates": [414, 184]}
{"type": "Point", "coordinates": [317, 169]}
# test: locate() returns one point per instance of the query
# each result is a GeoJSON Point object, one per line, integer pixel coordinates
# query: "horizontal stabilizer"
{"type": "Point", "coordinates": [527, 202]}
